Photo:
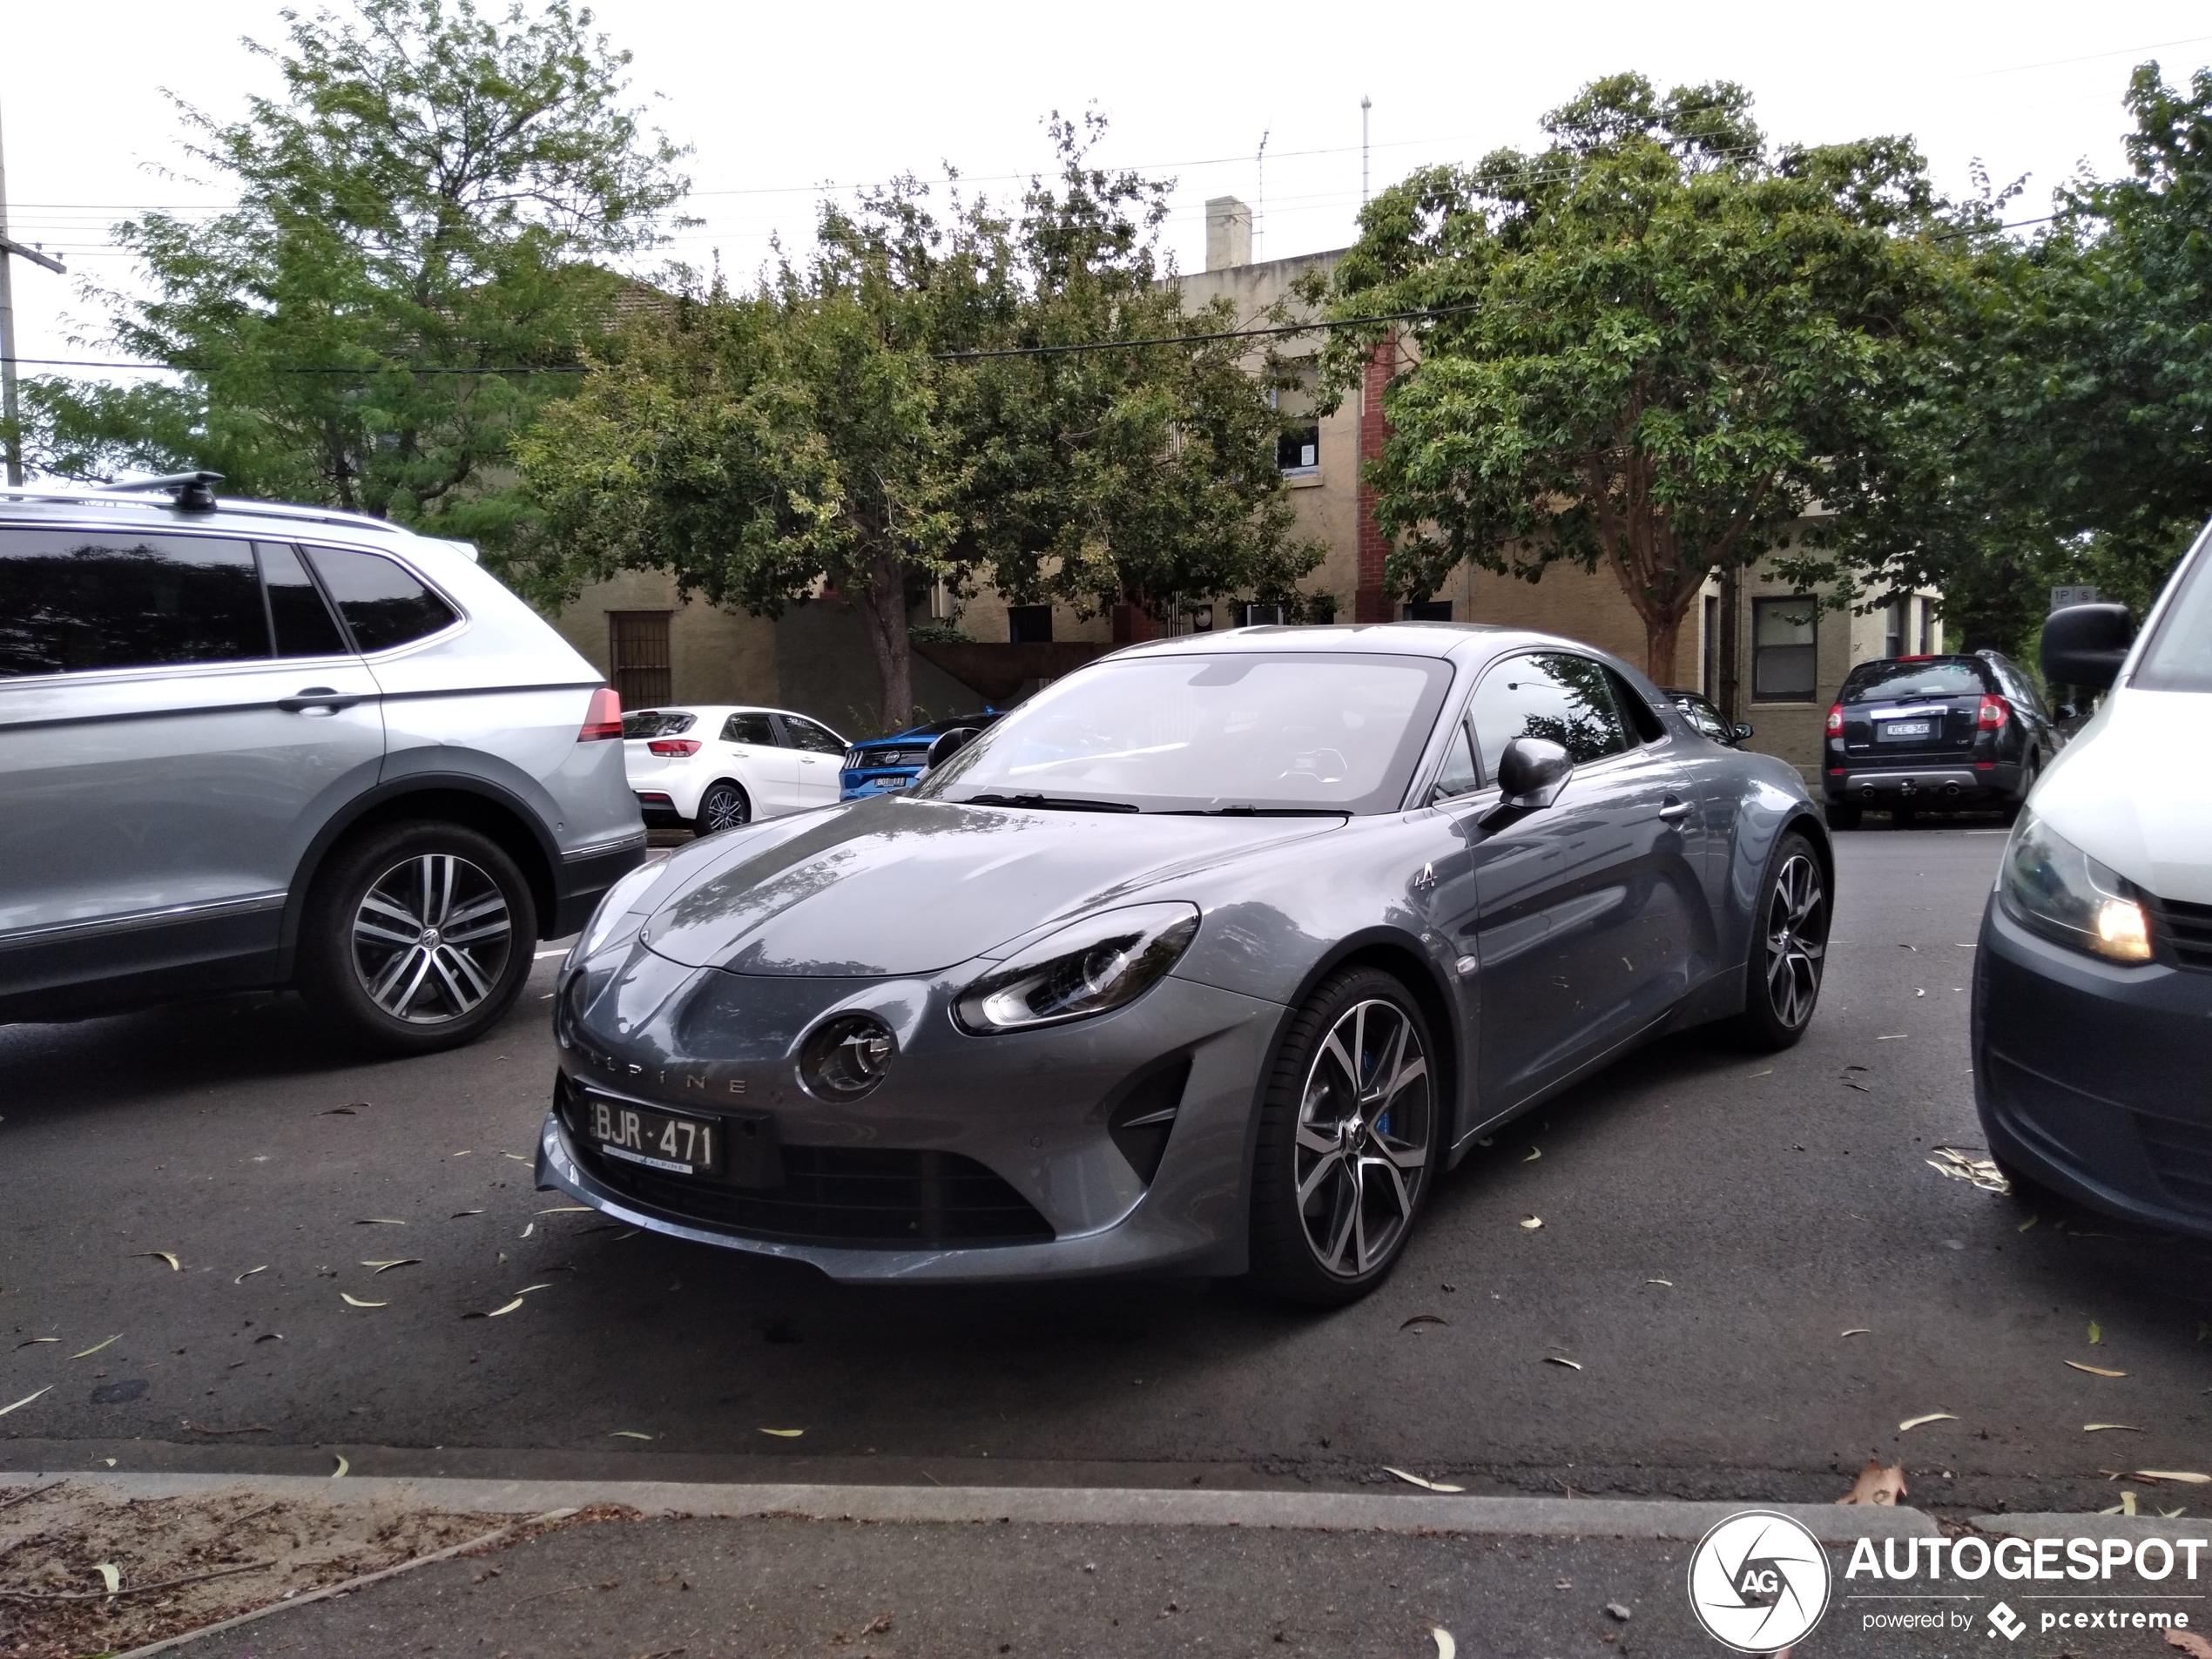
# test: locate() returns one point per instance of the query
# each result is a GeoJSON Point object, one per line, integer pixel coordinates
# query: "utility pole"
{"type": "Point", "coordinates": [1259, 217]}
{"type": "Point", "coordinates": [8, 406]}
{"type": "Point", "coordinates": [1366, 104]}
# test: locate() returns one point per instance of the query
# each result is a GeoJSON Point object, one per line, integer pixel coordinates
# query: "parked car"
{"type": "Point", "coordinates": [1707, 718]}
{"type": "Point", "coordinates": [2092, 977]}
{"type": "Point", "coordinates": [244, 745]}
{"type": "Point", "coordinates": [1919, 734]}
{"type": "Point", "coordinates": [875, 765]}
{"type": "Point", "coordinates": [711, 767]}
{"type": "Point", "coordinates": [1211, 955]}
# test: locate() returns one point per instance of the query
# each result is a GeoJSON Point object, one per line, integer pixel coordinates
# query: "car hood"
{"type": "Point", "coordinates": [2124, 793]}
{"type": "Point", "coordinates": [896, 886]}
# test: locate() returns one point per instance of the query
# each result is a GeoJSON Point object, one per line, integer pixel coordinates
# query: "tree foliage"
{"type": "Point", "coordinates": [425, 203]}
{"type": "Point", "coordinates": [1663, 346]}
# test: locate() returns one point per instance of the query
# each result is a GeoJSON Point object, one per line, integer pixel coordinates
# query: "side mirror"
{"type": "Point", "coordinates": [1531, 771]}
{"type": "Point", "coordinates": [2085, 645]}
{"type": "Point", "coordinates": [2064, 712]}
{"type": "Point", "coordinates": [1743, 731]}
{"type": "Point", "coordinates": [949, 743]}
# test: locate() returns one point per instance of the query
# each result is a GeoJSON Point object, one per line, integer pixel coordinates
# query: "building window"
{"type": "Point", "coordinates": [1894, 628]}
{"type": "Point", "coordinates": [1258, 615]}
{"type": "Point", "coordinates": [1298, 444]}
{"type": "Point", "coordinates": [1029, 624]}
{"type": "Point", "coordinates": [637, 656]}
{"type": "Point", "coordinates": [1927, 629]}
{"type": "Point", "coordinates": [1783, 665]}
{"type": "Point", "coordinates": [1427, 610]}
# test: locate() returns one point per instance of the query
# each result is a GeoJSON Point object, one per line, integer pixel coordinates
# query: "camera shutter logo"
{"type": "Point", "coordinates": [1758, 1582]}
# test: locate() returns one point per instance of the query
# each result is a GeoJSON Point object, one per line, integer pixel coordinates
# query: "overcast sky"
{"type": "Point", "coordinates": [779, 101]}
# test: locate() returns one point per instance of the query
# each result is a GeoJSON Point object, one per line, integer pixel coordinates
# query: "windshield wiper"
{"type": "Point", "coordinates": [1259, 811]}
{"type": "Point", "coordinates": [1050, 803]}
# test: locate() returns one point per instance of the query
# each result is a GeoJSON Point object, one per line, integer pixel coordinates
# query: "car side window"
{"type": "Point", "coordinates": [77, 600]}
{"type": "Point", "coordinates": [302, 623]}
{"type": "Point", "coordinates": [1641, 718]}
{"type": "Point", "coordinates": [750, 728]}
{"type": "Point", "coordinates": [1553, 695]}
{"type": "Point", "coordinates": [1459, 773]}
{"type": "Point", "coordinates": [383, 603]}
{"type": "Point", "coordinates": [805, 734]}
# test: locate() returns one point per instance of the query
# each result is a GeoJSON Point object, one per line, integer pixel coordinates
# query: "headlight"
{"type": "Point", "coordinates": [614, 913]}
{"type": "Point", "coordinates": [1091, 967]}
{"type": "Point", "coordinates": [846, 1057]}
{"type": "Point", "coordinates": [2052, 887]}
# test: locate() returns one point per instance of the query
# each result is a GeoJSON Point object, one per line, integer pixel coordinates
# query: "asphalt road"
{"type": "Point", "coordinates": [1713, 1227]}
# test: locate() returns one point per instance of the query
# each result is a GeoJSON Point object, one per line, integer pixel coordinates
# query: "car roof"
{"type": "Point", "coordinates": [1364, 638]}
{"type": "Point", "coordinates": [60, 505]}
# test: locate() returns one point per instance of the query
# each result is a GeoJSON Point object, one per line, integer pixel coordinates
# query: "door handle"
{"type": "Point", "coordinates": [315, 696]}
{"type": "Point", "coordinates": [1674, 811]}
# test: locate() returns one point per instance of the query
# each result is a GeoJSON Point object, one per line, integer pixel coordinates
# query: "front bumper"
{"type": "Point", "coordinates": [1028, 1115]}
{"type": "Point", "coordinates": [2089, 1076]}
{"type": "Point", "coordinates": [1936, 785]}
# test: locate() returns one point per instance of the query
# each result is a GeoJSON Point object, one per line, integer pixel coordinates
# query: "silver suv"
{"type": "Point", "coordinates": [244, 746]}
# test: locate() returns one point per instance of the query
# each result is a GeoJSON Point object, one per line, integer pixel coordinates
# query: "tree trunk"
{"type": "Point", "coordinates": [883, 608]}
{"type": "Point", "coordinates": [1659, 633]}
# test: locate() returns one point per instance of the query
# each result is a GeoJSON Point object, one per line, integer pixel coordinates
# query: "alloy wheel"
{"type": "Point", "coordinates": [1797, 939]}
{"type": "Point", "coordinates": [725, 808]}
{"type": "Point", "coordinates": [1366, 1120]}
{"type": "Point", "coordinates": [431, 937]}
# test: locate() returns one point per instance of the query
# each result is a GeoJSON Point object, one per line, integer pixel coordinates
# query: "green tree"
{"type": "Point", "coordinates": [427, 201]}
{"type": "Point", "coordinates": [1665, 346]}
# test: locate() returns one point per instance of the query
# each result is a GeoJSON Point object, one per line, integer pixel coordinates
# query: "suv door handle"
{"type": "Point", "coordinates": [1674, 810]}
{"type": "Point", "coordinates": [315, 696]}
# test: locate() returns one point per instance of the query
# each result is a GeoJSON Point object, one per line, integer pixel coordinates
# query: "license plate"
{"type": "Point", "coordinates": [1898, 730]}
{"type": "Point", "coordinates": [657, 1139]}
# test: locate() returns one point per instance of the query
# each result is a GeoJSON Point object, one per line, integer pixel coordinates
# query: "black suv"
{"type": "Point", "coordinates": [1935, 734]}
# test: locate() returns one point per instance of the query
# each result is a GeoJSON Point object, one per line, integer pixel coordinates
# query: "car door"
{"type": "Point", "coordinates": [821, 758]}
{"type": "Point", "coordinates": [1582, 918]}
{"type": "Point", "coordinates": [177, 715]}
{"type": "Point", "coordinates": [754, 749]}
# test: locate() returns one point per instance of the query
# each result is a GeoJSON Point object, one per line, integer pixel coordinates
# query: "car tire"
{"type": "Point", "coordinates": [1338, 1152]}
{"type": "Point", "coordinates": [1842, 815]}
{"type": "Point", "coordinates": [474, 918]}
{"type": "Point", "coordinates": [723, 807]}
{"type": "Point", "coordinates": [1789, 948]}
{"type": "Point", "coordinates": [1903, 817]}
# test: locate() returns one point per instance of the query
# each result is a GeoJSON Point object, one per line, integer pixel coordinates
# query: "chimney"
{"type": "Point", "coordinates": [1228, 234]}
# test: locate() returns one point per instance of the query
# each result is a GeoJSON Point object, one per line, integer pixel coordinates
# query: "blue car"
{"type": "Point", "coordinates": [879, 766]}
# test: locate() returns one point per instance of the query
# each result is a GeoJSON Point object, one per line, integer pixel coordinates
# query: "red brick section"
{"type": "Point", "coordinates": [1133, 623]}
{"type": "Point", "coordinates": [1369, 601]}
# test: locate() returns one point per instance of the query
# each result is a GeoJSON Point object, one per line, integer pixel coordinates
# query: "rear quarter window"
{"type": "Point", "coordinates": [383, 603]}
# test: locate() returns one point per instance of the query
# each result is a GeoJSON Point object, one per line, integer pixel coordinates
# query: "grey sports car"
{"type": "Point", "coordinates": [1210, 957]}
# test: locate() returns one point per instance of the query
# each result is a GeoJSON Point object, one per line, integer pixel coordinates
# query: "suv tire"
{"type": "Point", "coordinates": [416, 937]}
{"type": "Point", "coordinates": [1843, 815]}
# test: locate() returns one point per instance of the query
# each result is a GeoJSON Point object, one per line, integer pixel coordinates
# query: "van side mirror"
{"type": "Point", "coordinates": [1742, 731]}
{"type": "Point", "coordinates": [949, 743]}
{"type": "Point", "coordinates": [1531, 771]}
{"type": "Point", "coordinates": [2085, 645]}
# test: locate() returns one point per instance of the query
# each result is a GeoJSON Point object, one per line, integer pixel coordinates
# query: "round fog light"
{"type": "Point", "coordinates": [846, 1057]}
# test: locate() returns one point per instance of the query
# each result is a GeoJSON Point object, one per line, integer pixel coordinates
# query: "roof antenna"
{"type": "Point", "coordinates": [1260, 218]}
{"type": "Point", "coordinates": [192, 492]}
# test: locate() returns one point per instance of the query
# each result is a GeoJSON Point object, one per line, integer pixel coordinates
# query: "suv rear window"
{"type": "Point", "coordinates": [655, 723]}
{"type": "Point", "coordinates": [1900, 678]}
{"type": "Point", "coordinates": [382, 603]}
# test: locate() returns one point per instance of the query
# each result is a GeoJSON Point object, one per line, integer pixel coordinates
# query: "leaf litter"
{"type": "Point", "coordinates": [2096, 1371]}
{"type": "Point", "coordinates": [1877, 1485]}
{"type": "Point", "coordinates": [160, 1255]}
{"type": "Point", "coordinates": [1422, 1482]}
{"type": "Point", "coordinates": [1928, 1417]}
{"type": "Point", "coordinates": [1961, 1166]}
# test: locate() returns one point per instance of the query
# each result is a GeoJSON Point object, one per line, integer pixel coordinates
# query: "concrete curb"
{"type": "Point", "coordinates": [1057, 1506]}
{"type": "Point", "coordinates": [2063, 1525]}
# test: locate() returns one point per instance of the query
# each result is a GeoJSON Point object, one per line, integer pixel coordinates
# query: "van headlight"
{"type": "Point", "coordinates": [2051, 887]}
{"type": "Point", "coordinates": [1094, 966]}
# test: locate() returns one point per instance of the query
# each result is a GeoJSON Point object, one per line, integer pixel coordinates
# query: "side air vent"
{"type": "Point", "coordinates": [1141, 1121]}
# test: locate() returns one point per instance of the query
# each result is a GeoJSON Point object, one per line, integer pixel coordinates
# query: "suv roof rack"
{"type": "Point", "coordinates": [191, 493]}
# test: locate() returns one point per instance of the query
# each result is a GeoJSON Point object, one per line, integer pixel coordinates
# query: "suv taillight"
{"type": "Point", "coordinates": [674, 746]}
{"type": "Point", "coordinates": [604, 718]}
{"type": "Point", "coordinates": [1993, 713]}
{"type": "Point", "coordinates": [1835, 719]}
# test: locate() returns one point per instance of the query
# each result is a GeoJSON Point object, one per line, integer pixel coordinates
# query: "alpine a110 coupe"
{"type": "Point", "coordinates": [1211, 957]}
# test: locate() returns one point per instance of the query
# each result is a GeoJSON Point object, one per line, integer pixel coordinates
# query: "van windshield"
{"type": "Point", "coordinates": [2179, 656]}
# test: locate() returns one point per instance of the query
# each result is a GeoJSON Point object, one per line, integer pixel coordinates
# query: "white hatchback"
{"type": "Point", "coordinates": [713, 767]}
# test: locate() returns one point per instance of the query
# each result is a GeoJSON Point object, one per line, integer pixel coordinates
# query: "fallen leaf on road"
{"type": "Point", "coordinates": [567, 1210]}
{"type": "Point", "coordinates": [250, 1273]}
{"type": "Point", "coordinates": [1931, 1416]}
{"type": "Point", "coordinates": [2025, 1225]}
{"type": "Point", "coordinates": [339, 1111]}
{"type": "Point", "coordinates": [358, 1303]}
{"type": "Point", "coordinates": [186, 1424]}
{"type": "Point", "coordinates": [342, 1465]}
{"type": "Point", "coordinates": [527, 1289]}
{"type": "Point", "coordinates": [270, 1336]}
{"type": "Point", "coordinates": [97, 1347]}
{"type": "Point", "coordinates": [386, 1267]}
{"type": "Point", "coordinates": [517, 1156]}
{"type": "Point", "coordinates": [1862, 1088]}
{"type": "Point", "coordinates": [627, 1435]}
{"type": "Point", "coordinates": [2183, 1475]}
{"type": "Point", "coordinates": [1981, 1172]}
{"type": "Point", "coordinates": [509, 1308]}
{"type": "Point", "coordinates": [461, 1154]}
{"type": "Point", "coordinates": [1419, 1319]}
{"type": "Point", "coordinates": [785, 1433]}
{"type": "Point", "coordinates": [1531, 1222]}
{"type": "Point", "coordinates": [110, 1575]}
{"type": "Point", "coordinates": [1614, 1609]}
{"type": "Point", "coordinates": [1445, 1648]}
{"type": "Point", "coordinates": [1877, 1485]}
{"type": "Point", "coordinates": [1769, 1072]}
{"type": "Point", "coordinates": [1555, 1360]}
{"type": "Point", "coordinates": [529, 1227]}
{"type": "Point", "coordinates": [381, 1221]}
{"type": "Point", "coordinates": [2095, 1371]}
{"type": "Point", "coordinates": [161, 1255]}
{"type": "Point", "coordinates": [2092, 1428]}
{"type": "Point", "coordinates": [1427, 1485]}
{"type": "Point", "coordinates": [876, 1626]}
{"type": "Point", "coordinates": [1669, 1283]}
{"type": "Point", "coordinates": [2096, 1335]}
{"type": "Point", "coordinates": [1860, 1331]}
{"type": "Point", "coordinates": [35, 1341]}
{"type": "Point", "coordinates": [1894, 1037]}
{"type": "Point", "coordinates": [2190, 1643]}
{"type": "Point", "coordinates": [457, 1214]}
{"type": "Point", "coordinates": [25, 1400]}
{"type": "Point", "coordinates": [1535, 1152]}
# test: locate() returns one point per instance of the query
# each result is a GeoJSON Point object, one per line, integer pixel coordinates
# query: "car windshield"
{"type": "Point", "coordinates": [1288, 733]}
{"type": "Point", "coordinates": [1902, 677]}
{"type": "Point", "coordinates": [655, 723]}
{"type": "Point", "coordinates": [2179, 656]}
